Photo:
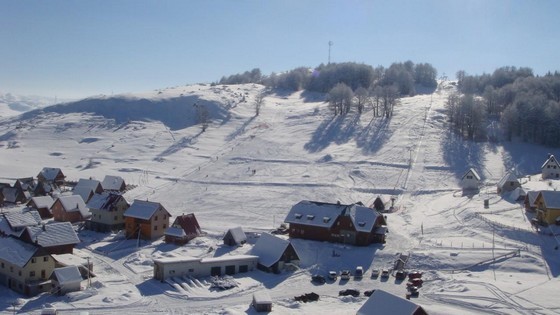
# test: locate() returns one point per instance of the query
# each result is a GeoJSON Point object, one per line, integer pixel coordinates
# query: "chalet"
{"type": "Point", "coordinates": [530, 199]}
{"type": "Point", "coordinates": [548, 207]}
{"type": "Point", "coordinates": [146, 220]}
{"type": "Point", "coordinates": [45, 189]}
{"type": "Point", "coordinates": [86, 188]}
{"type": "Point", "coordinates": [274, 253]}
{"type": "Point", "coordinates": [17, 221]}
{"type": "Point", "coordinates": [70, 209]}
{"type": "Point", "coordinates": [107, 212]}
{"type": "Point", "coordinates": [203, 267]}
{"type": "Point", "coordinates": [25, 184]}
{"type": "Point", "coordinates": [14, 196]}
{"type": "Point", "coordinates": [42, 204]}
{"type": "Point", "coordinates": [25, 268]}
{"type": "Point", "coordinates": [508, 183]}
{"type": "Point", "coordinates": [349, 224]}
{"type": "Point", "coordinates": [113, 183]}
{"type": "Point", "coordinates": [66, 280]}
{"type": "Point", "coordinates": [470, 180]}
{"type": "Point", "coordinates": [379, 204]}
{"type": "Point", "coordinates": [381, 303]}
{"type": "Point", "coordinates": [55, 238]}
{"type": "Point", "coordinates": [183, 229]}
{"type": "Point", "coordinates": [235, 237]}
{"type": "Point", "coordinates": [262, 301]}
{"type": "Point", "coordinates": [550, 169]}
{"type": "Point", "coordinates": [51, 175]}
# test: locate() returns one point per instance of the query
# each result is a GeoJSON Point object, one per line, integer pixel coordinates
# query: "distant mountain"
{"type": "Point", "coordinates": [12, 105]}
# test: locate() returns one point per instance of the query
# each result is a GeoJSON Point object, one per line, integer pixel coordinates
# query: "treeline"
{"type": "Point", "coordinates": [350, 84]}
{"type": "Point", "coordinates": [527, 106]}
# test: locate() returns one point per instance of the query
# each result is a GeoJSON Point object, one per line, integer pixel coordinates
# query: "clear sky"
{"type": "Point", "coordinates": [82, 48]}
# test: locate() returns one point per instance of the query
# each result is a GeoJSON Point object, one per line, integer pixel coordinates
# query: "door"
{"type": "Point", "coordinates": [216, 271]}
{"type": "Point", "coordinates": [230, 270]}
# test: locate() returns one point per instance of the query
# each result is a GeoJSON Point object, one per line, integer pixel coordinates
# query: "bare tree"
{"type": "Point", "coordinates": [362, 97]}
{"type": "Point", "coordinates": [259, 100]}
{"type": "Point", "coordinates": [340, 98]}
{"type": "Point", "coordinates": [203, 118]}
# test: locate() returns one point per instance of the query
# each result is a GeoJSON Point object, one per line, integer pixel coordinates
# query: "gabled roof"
{"type": "Point", "coordinates": [16, 252]}
{"type": "Point", "coordinates": [67, 275]}
{"type": "Point", "coordinates": [53, 234]}
{"type": "Point", "coordinates": [314, 213]}
{"type": "Point", "coordinates": [42, 201]}
{"type": "Point", "coordinates": [188, 223]}
{"type": "Point", "coordinates": [383, 303]}
{"type": "Point", "coordinates": [144, 210]}
{"type": "Point", "coordinates": [13, 195]}
{"type": "Point", "coordinates": [104, 201]}
{"type": "Point", "coordinates": [532, 197]}
{"type": "Point", "coordinates": [113, 183]}
{"type": "Point", "coordinates": [363, 218]}
{"type": "Point", "coordinates": [93, 184]}
{"type": "Point", "coordinates": [269, 248]}
{"type": "Point", "coordinates": [19, 219]}
{"type": "Point", "coordinates": [551, 198]}
{"type": "Point", "coordinates": [551, 159]}
{"type": "Point", "coordinates": [50, 173]}
{"type": "Point", "coordinates": [473, 172]}
{"type": "Point", "coordinates": [74, 203]}
{"type": "Point", "coordinates": [25, 183]}
{"type": "Point", "coordinates": [508, 177]}
{"type": "Point", "coordinates": [84, 192]}
{"type": "Point", "coordinates": [237, 235]}
{"type": "Point", "coordinates": [175, 231]}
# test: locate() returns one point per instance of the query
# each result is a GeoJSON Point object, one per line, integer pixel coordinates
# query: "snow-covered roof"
{"type": "Point", "coordinates": [74, 203]}
{"type": "Point", "coordinates": [84, 192]}
{"type": "Point", "coordinates": [141, 209]}
{"type": "Point", "coordinates": [473, 172]}
{"type": "Point", "coordinates": [207, 260]}
{"type": "Point", "coordinates": [112, 182]}
{"type": "Point", "coordinates": [382, 303]}
{"type": "Point", "coordinates": [262, 297]}
{"type": "Point", "coordinates": [10, 194]}
{"type": "Point", "coordinates": [237, 234]}
{"type": "Point", "coordinates": [67, 275]}
{"type": "Point", "coordinates": [269, 248]}
{"type": "Point", "coordinates": [362, 217]}
{"type": "Point", "coordinates": [532, 195]}
{"type": "Point", "coordinates": [551, 159]}
{"type": "Point", "coordinates": [93, 184]}
{"type": "Point", "coordinates": [175, 231]}
{"type": "Point", "coordinates": [43, 201]}
{"type": "Point", "coordinates": [314, 213]}
{"type": "Point", "coordinates": [70, 260]}
{"type": "Point", "coordinates": [551, 198]}
{"type": "Point", "coordinates": [103, 201]}
{"type": "Point", "coordinates": [517, 193]}
{"type": "Point", "coordinates": [508, 177]}
{"type": "Point", "coordinates": [53, 234]}
{"type": "Point", "coordinates": [16, 252]}
{"type": "Point", "coordinates": [6, 229]}
{"type": "Point", "coordinates": [50, 173]}
{"type": "Point", "coordinates": [18, 219]}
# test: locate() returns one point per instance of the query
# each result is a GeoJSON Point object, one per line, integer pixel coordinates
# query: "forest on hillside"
{"type": "Point", "coordinates": [524, 105]}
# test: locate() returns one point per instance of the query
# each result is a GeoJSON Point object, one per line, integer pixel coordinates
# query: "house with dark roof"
{"type": "Point", "coordinates": [146, 219]}
{"type": "Point", "coordinates": [42, 204]}
{"type": "Point", "coordinates": [14, 196]}
{"type": "Point", "coordinates": [107, 212]}
{"type": "Point", "coordinates": [70, 209]}
{"type": "Point", "coordinates": [508, 183]}
{"type": "Point", "coordinates": [547, 205]}
{"type": "Point", "coordinates": [25, 268]}
{"type": "Point", "coordinates": [550, 168]}
{"type": "Point", "coordinates": [274, 253]}
{"type": "Point", "coordinates": [52, 175]}
{"type": "Point", "coordinates": [382, 303]}
{"type": "Point", "coordinates": [55, 238]}
{"type": "Point", "coordinates": [235, 237]}
{"type": "Point", "coordinates": [113, 183]}
{"type": "Point", "coordinates": [352, 224]}
{"type": "Point", "coordinates": [379, 204]}
{"type": "Point", "coordinates": [184, 228]}
{"type": "Point", "coordinates": [470, 180]}
{"type": "Point", "coordinates": [25, 184]}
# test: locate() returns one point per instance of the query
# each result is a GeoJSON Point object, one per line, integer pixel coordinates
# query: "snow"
{"type": "Point", "coordinates": [67, 275]}
{"type": "Point", "coordinates": [269, 248]}
{"type": "Point", "coordinates": [53, 234]}
{"type": "Point", "coordinates": [142, 209]}
{"type": "Point", "coordinates": [249, 171]}
{"type": "Point", "coordinates": [381, 302]}
{"type": "Point", "coordinates": [16, 252]}
{"type": "Point", "coordinates": [111, 182]}
{"type": "Point", "coordinates": [43, 201]}
{"type": "Point", "coordinates": [74, 203]}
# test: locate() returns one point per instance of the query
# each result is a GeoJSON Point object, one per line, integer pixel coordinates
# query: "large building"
{"type": "Point", "coordinates": [203, 267]}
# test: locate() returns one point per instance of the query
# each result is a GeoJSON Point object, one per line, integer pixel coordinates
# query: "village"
{"type": "Point", "coordinates": [45, 218]}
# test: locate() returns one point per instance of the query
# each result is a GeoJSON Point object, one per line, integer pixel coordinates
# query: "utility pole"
{"type": "Point", "coordinates": [88, 275]}
{"type": "Point", "coordinates": [330, 44]}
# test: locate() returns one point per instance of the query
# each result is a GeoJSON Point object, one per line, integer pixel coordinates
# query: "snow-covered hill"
{"type": "Point", "coordinates": [248, 171]}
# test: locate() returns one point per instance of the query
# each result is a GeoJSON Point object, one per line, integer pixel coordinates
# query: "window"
{"type": "Point", "coordinates": [191, 270]}
{"type": "Point", "coordinates": [164, 226]}
{"type": "Point", "coordinates": [32, 273]}
{"type": "Point", "coordinates": [155, 219]}
{"type": "Point", "coordinates": [43, 274]}
{"type": "Point", "coordinates": [19, 273]}
{"type": "Point", "coordinates": [165, 216]}
{"type": "Point", "coordinates": [326, 219]}
{"type": "Point", "coordinates": [2, 265]}
{"type": "Point", "coordinates": [11, 269]}
{"type": "Point", "coordinates": [155, 228]}
{"type": "Point", "coordinates": [298, 215]}
{"type": "Point", "coordinates": [46, 258]}
{"type": "Point", "coordinates": [33, 260]}
{"type": "Point", "coordinates": [116, 218]}
{"type": "Point", "coordinates": [310, 217]}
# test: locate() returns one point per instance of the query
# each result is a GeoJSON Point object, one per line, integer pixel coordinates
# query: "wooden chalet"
{"type": "Point", "coordinates": [379, 204]}
{"type": "Point", "coordinates": [548, 207]}
{"type": "Point", "coordinates": [274, 253]}
{"type": "Point", "coordinates": [12, 195]}
{"type": "Point", "coordinates": [183, 229]}
{"type": "Point", "coordinates": [550, 168]}
{"type": "Point", "coordinates": [352, 224]}
{"type": "Point", "coordinates": [107, 212]}
{"type": "Point", "coordinates": [42, 204]}
{"type": "Point", "coordinates": [55, 238]}
{"type": "Point", "coordinates": [145, 219]}
{"type": "Point", "coordinates": [530, 199]}
{"type": "Point", "coordinates": [25, 184]}
{"type": "Point", "coordinates": [51, 175]}
{"type": "Point", "coordinates": [235, 237]}
{"type": "Point", "coordinates": [70, 209]}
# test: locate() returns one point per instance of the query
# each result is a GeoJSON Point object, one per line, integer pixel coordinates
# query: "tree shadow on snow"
{"type": "Point", "coordinates": [338, 130]}
{"type": "Point", "coordinates": [374, 136]}
{"type": "Point", "coordinates": [461, 154]}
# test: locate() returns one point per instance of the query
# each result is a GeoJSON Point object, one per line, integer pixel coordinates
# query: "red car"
{"type": "Point", "coordinates": [415, 282]}
{"type": "Point", "coordinates": [414, 275]}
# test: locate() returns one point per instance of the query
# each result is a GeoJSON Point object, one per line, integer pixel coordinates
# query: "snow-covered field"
{"type": "Point", "coordinates": [249, 171]}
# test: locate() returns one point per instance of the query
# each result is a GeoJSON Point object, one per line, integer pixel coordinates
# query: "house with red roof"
{"type": "Point", "coordinates": [183, 229]}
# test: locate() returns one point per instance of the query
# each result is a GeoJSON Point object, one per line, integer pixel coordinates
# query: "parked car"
{"type": "Point", "coordinates": [369, 292]}
{"type": "Point", "coordinates": [375, 273]}
{"type": "Point", "coordinates": [359, 273]}
{"type": "Point", "coordinates": [318, 279]}
{"type": "Point", "coordinates": [352, 292]}
{"type": "Point", "coordinates": [308, 297]}
{"type": "Point", "coordinates": [414, 275]}
{"type": "Point", "coordinates": [413, 291]}
{"type": "Point", "coordinates": [345, 275]}
{"type": "Point", "coordinates": [333, 275]}
{"type": "Point", "coordinates": [400, 275]}
{"type": "Point", "coordinates": [385, 273]}
{"type": "Point", "coordinates": [415, 282]}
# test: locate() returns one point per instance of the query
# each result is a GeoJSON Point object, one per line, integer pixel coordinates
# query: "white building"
{"type": "Point", "coordinates": [203, 267]}
{"type": "Point", "coordinates": [471, 180]}
{"type": "Point", "coordinates": [550, 169]}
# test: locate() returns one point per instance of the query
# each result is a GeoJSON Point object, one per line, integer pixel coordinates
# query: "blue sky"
{"type": "Point", "coordinates": [73, 49]}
